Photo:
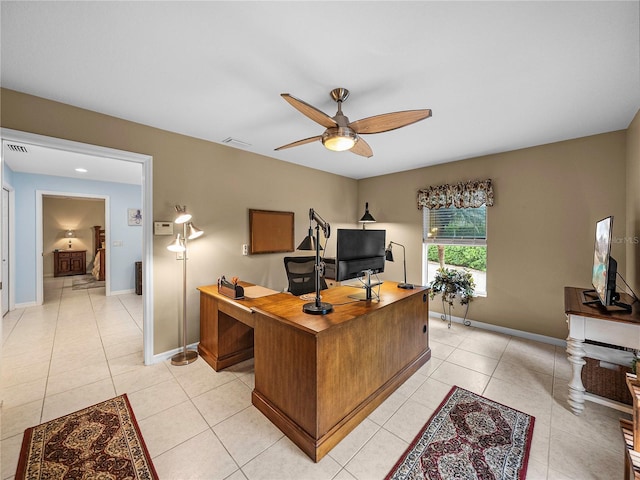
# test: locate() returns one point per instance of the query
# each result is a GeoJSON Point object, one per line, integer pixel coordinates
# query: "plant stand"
{"type": "Point", "coordinates": [446, 316]}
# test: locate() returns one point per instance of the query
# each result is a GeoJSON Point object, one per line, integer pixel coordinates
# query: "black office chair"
{"type": "Point", "coordinates": [301, 275]}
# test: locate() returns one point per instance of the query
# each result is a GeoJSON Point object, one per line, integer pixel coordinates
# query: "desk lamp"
{"type": "Point", "coordinates": [311, 243]}
{"type": "Point", "coordinates": [388, 255]}
{"type": "Point", "coordinates": [179, 245]}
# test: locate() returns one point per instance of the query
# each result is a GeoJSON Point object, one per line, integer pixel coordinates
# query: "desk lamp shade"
{"type": "Point", "coordinates": [309, 242]}
{"type": "Point", "coordinates": [388, 254]}
{"type": "Point", "coordinates": [367, 217]}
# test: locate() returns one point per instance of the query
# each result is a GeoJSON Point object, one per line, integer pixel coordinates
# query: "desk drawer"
{"type": "Point", "coordinates": [239, 312]}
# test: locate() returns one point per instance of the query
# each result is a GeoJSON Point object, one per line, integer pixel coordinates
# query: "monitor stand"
{"type": "Point", "coordinates": [367, 285]}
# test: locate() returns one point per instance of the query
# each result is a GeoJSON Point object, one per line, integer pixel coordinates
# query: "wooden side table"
{"type": "Point", "coordinates": [69, 262]}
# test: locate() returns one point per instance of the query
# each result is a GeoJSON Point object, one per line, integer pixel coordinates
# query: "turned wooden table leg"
{"type": "Point", "coordinates": [575, 355]}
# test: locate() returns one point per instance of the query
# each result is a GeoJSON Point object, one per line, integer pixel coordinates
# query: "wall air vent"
{"type": "Point", "coordinates": [17, 148]}
{"type": "Point", "coordinates": [235, 143]}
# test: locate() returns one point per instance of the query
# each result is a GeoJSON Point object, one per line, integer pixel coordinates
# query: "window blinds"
{"type": "Point", "coordinates": [455, 226]}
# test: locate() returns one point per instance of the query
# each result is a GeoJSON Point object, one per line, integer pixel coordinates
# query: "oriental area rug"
{"type": "Point", "coordinates": [469, 437]}
{"type": "Point", "coordinates": [98, 442]}
{"type": "Point", "coordinates": [85, 282]}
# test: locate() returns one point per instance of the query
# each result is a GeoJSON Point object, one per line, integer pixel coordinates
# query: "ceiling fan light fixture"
{"type": "Point", "coordinates": [339, 139]}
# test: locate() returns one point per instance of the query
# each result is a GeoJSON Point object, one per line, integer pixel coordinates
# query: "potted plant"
{"type": "Point", "coordinates": [451, 283]}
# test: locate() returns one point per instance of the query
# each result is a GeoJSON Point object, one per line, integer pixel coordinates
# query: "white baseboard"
{"type": "Point", "coordinates": [123, 292]}
{"type": "Point", "coordinates": [507, 331]}
{"type": "Point", "coordinates": [24, 305]}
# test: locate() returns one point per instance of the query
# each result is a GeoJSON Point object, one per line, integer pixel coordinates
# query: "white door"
{"type": "Point", "coordinates": [5, 251]}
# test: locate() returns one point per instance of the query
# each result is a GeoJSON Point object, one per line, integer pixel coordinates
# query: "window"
{"type": "Point", "coordinates": [456, 238]}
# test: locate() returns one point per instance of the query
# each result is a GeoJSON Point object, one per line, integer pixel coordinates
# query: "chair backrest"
{"type": "Point", "coordinates": [301, 275]}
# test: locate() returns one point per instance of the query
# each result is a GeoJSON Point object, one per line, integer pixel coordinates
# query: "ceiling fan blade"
{"type": "Point", "coordinates": [300, 142]}
{"type": "Point", "coordinates": [362, 148]}
{"type": "Point", "coordinates": [310, 111]}
{"type": "Point", "coordinates": [389, 121]}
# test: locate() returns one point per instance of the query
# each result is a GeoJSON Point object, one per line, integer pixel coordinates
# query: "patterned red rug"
{"type": "Point", "coordinates": [98, 442]}
{"type": "Point", "coordinates": [469, 437]}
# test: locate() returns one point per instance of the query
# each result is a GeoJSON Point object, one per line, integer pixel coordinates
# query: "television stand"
{"type": "Point", "coordinates": [615, 327]}
{"type": "Point", "coordinates": [590, 297]}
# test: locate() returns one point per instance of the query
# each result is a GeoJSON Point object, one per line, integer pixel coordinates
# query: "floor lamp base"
{"type": "Point", "coordinates": [184, 358]}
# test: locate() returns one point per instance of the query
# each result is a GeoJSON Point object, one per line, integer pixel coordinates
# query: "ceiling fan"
{"type": "Point", "coordinates": [341, 134]}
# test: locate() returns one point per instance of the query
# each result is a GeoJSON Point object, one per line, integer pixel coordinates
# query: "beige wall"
{"type": "Point", "coordinates": [60, 214]}
{"type": "Point", "coordinates": [540, 230]}
{"type": "Point", "coordinates": [633, 204]}
{"type": "Point", "coordinates": [217, 183]}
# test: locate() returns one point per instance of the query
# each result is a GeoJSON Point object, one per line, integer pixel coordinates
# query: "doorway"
{"type": "Point", "coordinates": [68, 221]}
{"type": "Point", "coordinates": [144, 162]}
{"type": "Point", "coordinates": [6, 248]}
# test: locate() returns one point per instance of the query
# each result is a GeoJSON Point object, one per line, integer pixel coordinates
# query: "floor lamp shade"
{"type": "Point", "coordinates": [180, 246]}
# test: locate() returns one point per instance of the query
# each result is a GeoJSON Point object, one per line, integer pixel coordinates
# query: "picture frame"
{"type": "Point", "coordinates": [271, 231]}
{"type": "Point", "coordinates": [134, 217]}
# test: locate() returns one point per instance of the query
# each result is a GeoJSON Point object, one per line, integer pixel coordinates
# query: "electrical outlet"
{"type": "Point", "coordinates": [245, 249]}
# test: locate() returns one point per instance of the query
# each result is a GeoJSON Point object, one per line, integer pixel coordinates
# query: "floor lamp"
{"type": "Point", "coordinates": [179, 245]}
{"type": "Point", "coordinates": [309, 243]}
{"type": "Point", "coordinates": [388, 255]}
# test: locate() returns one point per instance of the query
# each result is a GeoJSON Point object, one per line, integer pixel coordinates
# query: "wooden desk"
{"type": "Point", "coordinates": [595, 322]}
{"type": "Point", "coordinates": [318, 376]}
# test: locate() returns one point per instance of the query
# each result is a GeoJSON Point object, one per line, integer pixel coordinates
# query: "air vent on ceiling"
{"type": "Point", "coordinates": [236, 143]}
{"type": "Point", "coordinates": [17, 148]}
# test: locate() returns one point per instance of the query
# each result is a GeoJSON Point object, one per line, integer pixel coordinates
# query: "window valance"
{"type": "Point", "coordinates": [472, 194]}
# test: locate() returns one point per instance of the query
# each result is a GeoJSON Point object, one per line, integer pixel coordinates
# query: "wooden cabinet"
{"type": "Point", "coordinates": [69, 262]}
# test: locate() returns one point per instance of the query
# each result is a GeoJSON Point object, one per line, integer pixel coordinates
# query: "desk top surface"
{"type": "Point", "coordinates": [573, 304]}
{"type": "Point", "coordinates": [288, 308]}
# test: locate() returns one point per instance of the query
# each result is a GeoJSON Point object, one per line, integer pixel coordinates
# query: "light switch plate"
{"type": "Point", "coordinates": [163, 228]}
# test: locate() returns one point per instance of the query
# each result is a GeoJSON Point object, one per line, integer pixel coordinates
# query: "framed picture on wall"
{"type": "Point", "coordinates": [270, 231]}
{"type": "Point", "coordinates": [134, 217]}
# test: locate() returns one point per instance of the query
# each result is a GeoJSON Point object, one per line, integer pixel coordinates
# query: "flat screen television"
{"type": "Point", "coordinates": [605, 268]}
{"type": "Point", "coordinates": [359, 253]}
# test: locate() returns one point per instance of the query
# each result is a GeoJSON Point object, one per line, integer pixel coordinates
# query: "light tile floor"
{"type": "Point", "coordinates": [81, 347]}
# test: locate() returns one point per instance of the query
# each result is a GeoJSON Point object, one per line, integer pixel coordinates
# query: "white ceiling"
{"type": "Point", "coordinates": [498, 75]}
{"type": "Point", "coordinates": [48, 161]}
